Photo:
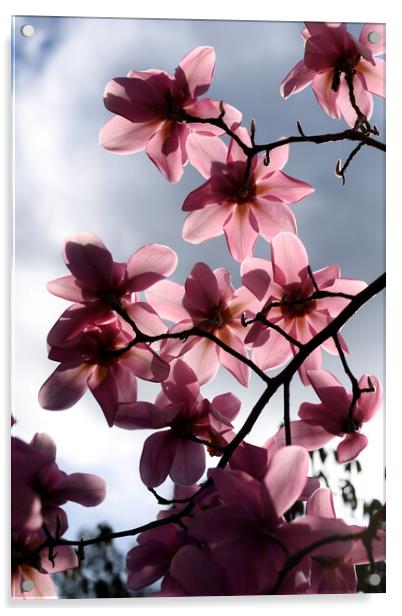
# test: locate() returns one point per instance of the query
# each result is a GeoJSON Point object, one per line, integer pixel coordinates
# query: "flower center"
{"type": "Point", "coordinates": [216, 321]}
{"type": "Point", "coordinates": [296, 304]}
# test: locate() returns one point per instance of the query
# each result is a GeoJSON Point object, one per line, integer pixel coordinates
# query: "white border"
{"type": "Point", "coordinates": [291, 10]}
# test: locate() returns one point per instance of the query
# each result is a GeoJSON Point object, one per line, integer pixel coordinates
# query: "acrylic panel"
{"type": "Point", "coordinates": [198, 291]}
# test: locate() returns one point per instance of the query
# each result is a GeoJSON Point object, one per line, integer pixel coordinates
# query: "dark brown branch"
{"type": "Point", "coordinates": [286, 412]}
{"type": "Point", "coordinates": [346, 135]}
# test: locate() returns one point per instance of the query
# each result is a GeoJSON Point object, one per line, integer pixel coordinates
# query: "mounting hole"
{"type": "Point", "coordinates": [26, 585]}
{"type": "Point", "coordinates": [374, 37]}
{"type": "Point", "coordinates": [27, 30]}
{"type": "Point", "coordinates": [374, 579]}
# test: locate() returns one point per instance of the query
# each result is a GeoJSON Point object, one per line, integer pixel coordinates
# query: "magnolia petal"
{"type": "Point", "coordinates": [241, 234]}
{"type": "Point", "coordinates": [65, 386]}
{"type": "Point", "coordinates": [195, 70]}
{"type": "Point", "coordinates": [67, 288]}
{"type": "Point", "coordinates": [83, 488]}
{"type": "Point", "coordinates": [112, 385]}
{"type": "Point", "coordinates": [203, 359]}
{"type": "Point", "coordinates": [136, 99]}
{"type": "Point", "coordinates": [203, 151]}
{"type": "Point", "coordinates": [121, 136]}
{"type": "Point", "coordinates": [330, 418]}
{"type": "Point", "coordinates": [238, 368]}
{"type": "Point", "coordinates": [188, 463]}
{"type": "Point", "coordinates": [149, 265]}
{"type": "Point", "coordinates": [321, 504]}
{"type": "Point", "coordinates": [330, 391]}
{"type": "Point", "coordinates": [326, 97]}
{"type": "Point", "coordinates": [256, 275]}
{"type": "Point", "coordinates": [157, 457]}
{"type": "Point", "coordinates": [200, 197]}
{"type": "Point", "coordinates": [369, 402]}
{"type": "Point", "coordinates": [146, 364]}
{"type": "Point", "coordinates": [73, 321]}
{"type": "Point", "coordinates": [273, 353]}
{"type": "Point", "coordinates": [286, 477]}
{"type": "Point", "coordinates": [307, 435]}
{"type": "Point", "coordinates": [182, 385]}
{"type": "Point", "coordinates": [282, 187]}
{"type": "Point", "coordinates": [198, 574]}
{"type": "Point", "coordinates": [273, 218]}
{"type": "Point", "coordinates": [167, 149]}
{"type": "Point", "coordinates": [166, 298]}
{"type": "Point", "coordinates": [374, 76]}
{"type": "Point", "coordinates": [235, 487]}
{"type": "Point", "coordinates": [313, 362]}
{"type": "Point", "coordinates": [44, 445]}
{"type": "Point", "coordinates": [202, 296]}
{"type": "Point", "coordinates": [89, 260]}
{"type": "Point", "coordinates": [321, 53]}
{"type": "Point", "coordinates": [204, 224]}
{"type": "Point", "coordinates": [146, 319]}
{"type": "Point", "coordinates": [351, 446]}
{"type": "Point", "coordinates": [227, 405]}
{"type": "Point", "coordinates": [147, 563]}
{"type": "Point", "coordinates": [297, 79]}
{"type": "Point", "coordinates": [289, 259]}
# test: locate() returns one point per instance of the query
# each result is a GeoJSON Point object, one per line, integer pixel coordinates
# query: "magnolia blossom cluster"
{"type": "Point", "coordinates": [39, 490]}
{"type": "Point", "coordinates": [239, 537]}
{"type": "Point", "coordinates": [130, 320]}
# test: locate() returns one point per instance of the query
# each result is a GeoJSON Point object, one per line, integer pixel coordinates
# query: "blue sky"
{"type": "Point", "coordinates": [65, 183]}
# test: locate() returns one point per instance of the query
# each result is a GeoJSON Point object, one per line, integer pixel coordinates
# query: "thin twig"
{"type": "Point", "coordinates": [341, 169]}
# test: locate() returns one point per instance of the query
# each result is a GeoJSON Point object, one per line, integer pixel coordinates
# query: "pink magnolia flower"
{"type": "Point", "coordinates": [330, 50]}
{"type": "Point", "coordinates": [286, 279]}
{"type": "Point", "coordinates": [102, 360]}
{"type": "Point", "coordinates": [180, 407]}
{"type": "Point", "coordinates": [99, 285]}
{"type": "Point", "coordinates": [332, 417]}
{"type": "Point", "coordinates": [207, 301]}
{"type": "Point", "coordinates": [241, 207]}
{"type": "Point", "coordinates": [242, 533]}
{"type": "Point", "coordinates": [334, 571]}
{"type": "Point", "coordinates": [39, 489]}
{"type": "Point", "coordinates": [150, 104]}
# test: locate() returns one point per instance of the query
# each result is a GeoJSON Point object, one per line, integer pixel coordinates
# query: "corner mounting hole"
{"type": "Point", "coordinates": [27, 30]}
{"type": "Point", "coordinates": [26, 585]}
{"type": "Point", "coordinates": [374, 37]}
